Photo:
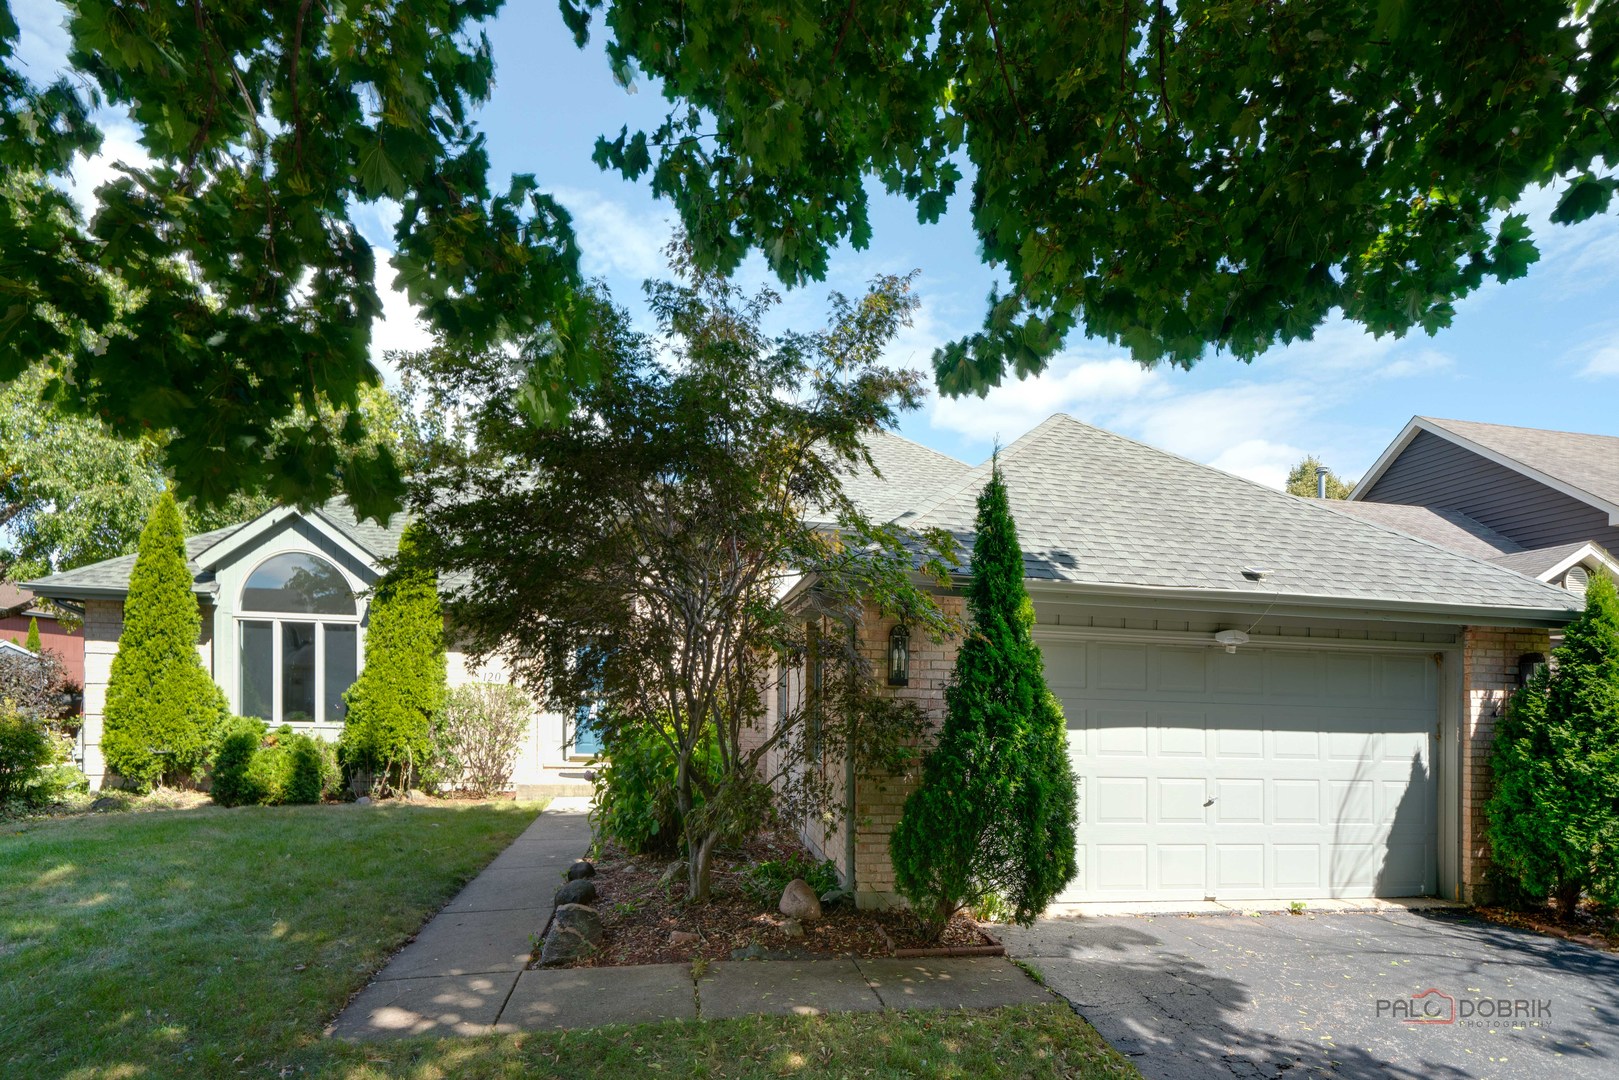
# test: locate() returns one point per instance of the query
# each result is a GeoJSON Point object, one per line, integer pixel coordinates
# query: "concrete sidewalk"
{"type": "Point", "coordinates": [466, 972]}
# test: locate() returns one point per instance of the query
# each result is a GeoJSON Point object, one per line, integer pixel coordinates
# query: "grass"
{"type": "Point", "coordinates": [211, 942]}
{"type": "Point", "coordinates": [1036, 1042]}
{"type": "Point", "coordinates": [219, 943]}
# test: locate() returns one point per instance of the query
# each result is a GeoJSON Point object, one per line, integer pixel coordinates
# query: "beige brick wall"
{"type": "Point", "coordinates": [1489, 677]}
{"type": "Point", "coordinates": [879, 800]}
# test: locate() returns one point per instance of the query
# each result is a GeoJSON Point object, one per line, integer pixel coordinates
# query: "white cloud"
{"type": "Point", "coordinates": [616, 241]}
{"type": "Point", "coordinates": [1602, 363]}
{"type": "Point", "coordinates": [1260, 460]}
{"type": "Point", "coordinates": [400, 327]}
{"type": "Point", "coordinates": [119, 146]}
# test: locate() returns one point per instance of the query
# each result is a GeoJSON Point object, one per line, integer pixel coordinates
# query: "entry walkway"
{"type": "Point", "coordinates": [466, 973]}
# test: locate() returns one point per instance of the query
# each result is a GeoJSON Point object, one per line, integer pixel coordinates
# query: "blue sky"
{"type": "Point", "coordinates": [1539, 352]}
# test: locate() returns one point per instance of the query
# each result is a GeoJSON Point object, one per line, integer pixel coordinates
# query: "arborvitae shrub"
{"type": "Point", "coordinates": [163, 708]}
{"type": "Point", "coordinates": [311, 769]}
{"type": "Point", "coordinates": [1553, 812]}
{"type": "Point", "coordinates": [232, 786]}
{"type": "Point", "coordinates": [32, 644]}
{"type": "Point", "coordinates": [994, 814]}
{"type": "Point", "coordinates": [387, 734]}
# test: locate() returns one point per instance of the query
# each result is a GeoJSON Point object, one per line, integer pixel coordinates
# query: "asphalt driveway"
{"type": "Point", "coordinates": [1334, 995]}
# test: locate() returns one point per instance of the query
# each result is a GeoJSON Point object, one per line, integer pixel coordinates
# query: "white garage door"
{"type": "Point", "coordinates": [1259, 774]}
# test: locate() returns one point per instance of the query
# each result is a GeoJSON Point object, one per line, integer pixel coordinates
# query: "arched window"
{"type": "Point", "coordinates": [294, 665]}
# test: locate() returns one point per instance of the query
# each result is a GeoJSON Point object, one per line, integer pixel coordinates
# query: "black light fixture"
{"type": "Point", "coordinates": [899, 655]}
{"type": "Point", "coordinates": [1528, 664]}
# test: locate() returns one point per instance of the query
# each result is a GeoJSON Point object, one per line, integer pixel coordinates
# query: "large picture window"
{"type": "Point", "coordinates": [298, 630]}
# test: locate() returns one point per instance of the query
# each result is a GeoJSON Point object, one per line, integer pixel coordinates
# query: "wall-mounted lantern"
{"type": "Point", "coordinates": [899, 655]}
{"type": "Point", "coordinates": [1528, 664]}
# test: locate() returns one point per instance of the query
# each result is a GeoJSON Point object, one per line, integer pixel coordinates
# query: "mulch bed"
{"type": "Point", "coordinates": [641, 905]}
{"type": "Point", "coordinates": [1587, 927]}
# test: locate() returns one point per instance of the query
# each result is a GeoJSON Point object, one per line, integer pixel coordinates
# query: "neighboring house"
{"type": "Point", "coordinates": [283, 600]}
{"type": "Point", "coordinates": [1544, 503]}
{"type": "Point", "coordinates": [18, 606]}
{"type": "Point", "coordinates": [1265, 698]}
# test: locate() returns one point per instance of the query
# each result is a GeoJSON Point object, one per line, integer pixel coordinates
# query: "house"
{"type": "Point", "coordinates": [1266, 698]}
{"type": "Point", "coordinates": [19, 607]}
{"type": "Point", "coordinates": [283, 600]}
{"type": "Point", "coordinates": [1544, 503]}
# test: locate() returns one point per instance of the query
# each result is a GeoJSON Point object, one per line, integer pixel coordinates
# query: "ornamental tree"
{"type": "Point", "coordinates": [163, 708]}
{"type": "Point", "coordinates": [32, 644]}
{"type": "Point", "coordinates": [636, 557]}
{"type": "Point", "coordinates": [994, 814]}
{"type": "Point", "coordinates": [1553, 812]}
{"type": "Point", "coordinates": [391, 706]}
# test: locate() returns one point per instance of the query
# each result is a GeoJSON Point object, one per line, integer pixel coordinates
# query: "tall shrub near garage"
{"type": "Point", "coordinates": [994, 814]}
{"type": "Point", "coordinates": [163, 708]}
{"type": "Point", "coordinates": [1554, 811]}
{"type": "Point", "coordinates": [391, 706]}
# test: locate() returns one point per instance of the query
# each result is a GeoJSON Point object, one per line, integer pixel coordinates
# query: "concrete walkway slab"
{"type": "Point", "coordinates": [971, 982]}
{"type": "Point", "coordinates": [470, 943]}
{"type": "Point", "coordinates": [445, 1005]}
{"type": "Point", "coordinates": [589, 997]}
{"type": "Point", "coordinates": [506, 888]}
{"type": "Point", "coordinates": [784, 988]}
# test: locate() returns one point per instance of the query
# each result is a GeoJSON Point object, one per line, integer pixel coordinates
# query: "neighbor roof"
{"type": "Point", "coordinates": [1097, 509]}
{"type": "Point", "coordinates": [1448, 528]}
{"type": "Point", "coordinates": [110, 577]}
{"type": "Point", "coordinates": [1583, 466]}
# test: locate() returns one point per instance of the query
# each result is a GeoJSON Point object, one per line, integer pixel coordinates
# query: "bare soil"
{"type": "Point", "coordinates": [642, 902]}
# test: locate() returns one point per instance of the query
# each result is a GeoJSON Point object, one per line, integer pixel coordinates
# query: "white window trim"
{"type": "Point", "coordinates": [275, 619]}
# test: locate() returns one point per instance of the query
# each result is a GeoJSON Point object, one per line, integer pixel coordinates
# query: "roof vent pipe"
{"type": "Point", "coordinates": [1321, 483]}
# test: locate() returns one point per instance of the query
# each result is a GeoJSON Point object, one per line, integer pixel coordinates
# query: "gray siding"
{"type": "Point", "coordinates": [1432, 471]}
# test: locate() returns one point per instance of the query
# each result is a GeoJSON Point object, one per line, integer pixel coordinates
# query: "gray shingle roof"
{"type": "Point", "coordinates": [907, 473]}
{"type": "Point", "coordinates": [1097, 508]}
{"type": "Point", "coordinates": [110, 577]}
{"type": "Point", "coordinates": [1448, 528]}
{"type": "Point", "coordinates": [1537, 561]}
{"type": "Point", "coordinates": [1587, 462]}
{"type": "Point", "coordinates": [382, 541]}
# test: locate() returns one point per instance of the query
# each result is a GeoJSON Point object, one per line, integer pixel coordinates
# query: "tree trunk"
{"type": "Point", "coordinates": [1568, 899]}
{"type": "Point", "coordinates": [699, 864]}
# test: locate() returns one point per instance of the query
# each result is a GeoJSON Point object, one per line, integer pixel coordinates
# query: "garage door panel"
{"type": "Point", "coordinates": [1257, 786]}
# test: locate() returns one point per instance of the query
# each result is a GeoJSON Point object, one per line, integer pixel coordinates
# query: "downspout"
{"type": "Point", "coordinates": [849, 794]}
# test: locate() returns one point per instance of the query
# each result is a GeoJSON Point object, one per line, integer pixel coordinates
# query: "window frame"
{"type": "Point", "coordinates": [243, 615]}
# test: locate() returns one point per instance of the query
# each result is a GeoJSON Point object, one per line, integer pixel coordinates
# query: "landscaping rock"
{"type": "Point", "coordinates": [562, 945]}
{"type": "Point", "coordinates": [581, 869]}
{"type": "Point", "coordinates": [415, 795]}
{"type": "Point", "coordinates": [683, 937]}
{"type": "Point", "coordinates": [793, 928]}
{"type": "Point", "coordinates": [581, 919]}
{"type": "Point", "coordinates": [363, 800]}
{"type": "Point", "coordinates": [798, 901]}
{"type": "Point", "coordinates": [102, 805]}
{"type": "Point", "coordinates": [670, 872]}
{"type": "Point", "coordinates": [582, 891]}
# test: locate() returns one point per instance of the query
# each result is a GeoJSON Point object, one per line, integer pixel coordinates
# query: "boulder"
{"type": "Point", "coordinates": [793, 928]}
{"type": "Point", "coordinates": [580, 891]}
{"type": "Point", "coordinates": [683, 937]}
{"type": "Point", "coordinates": [415, 795]}
{"type": "Point", "coordinates": [103, 804]}
{"type": "Point", "coordinates": [363, 800]}
{"type": "Point", "coordinates": [581, 869]}
{"type": "Point", "coordinates": [581, 919]}
{"type": "Point", "coordinates": [798, 901]}
{"type": "Point", "coordinates": [562, 945]}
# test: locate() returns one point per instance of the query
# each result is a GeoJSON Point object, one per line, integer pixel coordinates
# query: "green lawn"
{"type": "Point", "coordinates": [1035, 1042]}
{"type": "Point", "coordinates": [212, 942]}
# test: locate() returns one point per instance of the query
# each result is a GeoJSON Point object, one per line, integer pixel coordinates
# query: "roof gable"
{"type": "Point", "coordinates": [1581, 466]}
{"type": "Point", "coordinates": [1095, 508]}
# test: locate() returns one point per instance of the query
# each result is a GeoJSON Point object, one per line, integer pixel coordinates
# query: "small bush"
{"type": "Point", "coordinates": [635, 791]}
{"type": "Point", "coordinates": [25, 751]}
{"type": "Point", "coordinates": [311, 769]}
{"type": "Point", "coordinates": [763, 882]}
{"type": "Point", "coordinates": [478, 734]}
{"type": "Point", "coordinates": [233, 759]}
